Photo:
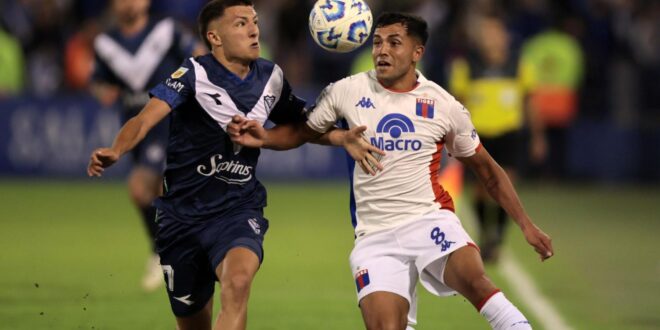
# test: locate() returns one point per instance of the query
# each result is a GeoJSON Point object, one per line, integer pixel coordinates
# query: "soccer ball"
{"type": "Point", "coordinates": [340, 25]}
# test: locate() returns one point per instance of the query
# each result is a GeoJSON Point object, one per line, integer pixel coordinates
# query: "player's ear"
{"type": "Point", "coordinates": [213, 38]}
{"type": "Point", "coordinates": [213, 33]}
{"type": "Point", "coordinates": [418, 52]}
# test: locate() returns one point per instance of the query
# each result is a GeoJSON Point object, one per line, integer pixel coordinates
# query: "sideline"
{"type": "Point", "coordinates": [526, 290]}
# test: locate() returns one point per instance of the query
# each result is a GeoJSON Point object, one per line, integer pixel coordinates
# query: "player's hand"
{"type": "Point", "coordinates": [247, 133]}
{"type": "Point", "coordinates": [100, 159]}
{"type": "Point", "coordinates": [541, 242]}
{"type": "Point", "coordinates": [365, 154]}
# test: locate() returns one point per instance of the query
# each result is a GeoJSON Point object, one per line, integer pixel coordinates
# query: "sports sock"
{"type": "Point", "coordinates": [502, 314]}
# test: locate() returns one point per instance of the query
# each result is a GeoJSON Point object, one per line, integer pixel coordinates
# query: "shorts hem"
{"type": "Point", "coordinates": [249, 243]}
{"type": "Point", "coordinates": [366, 292]}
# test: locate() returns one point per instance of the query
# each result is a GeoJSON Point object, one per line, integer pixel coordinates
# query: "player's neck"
{"type": "Point", "coordinates": [130, 28]}
{"type": "Point", "coordinates": [402, 84]}
{"type": "Point", "coordinates": [238, 67]}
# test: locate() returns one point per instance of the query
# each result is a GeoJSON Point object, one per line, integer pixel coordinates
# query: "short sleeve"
{"type": "Point", "coordinates": [178, 87]}
{"type": "Point", "coordinates": [462, 139]}
{"type": "Point", "coordinates": [289, 107]}
{"type": "Point", "coordinates": [324, 114]}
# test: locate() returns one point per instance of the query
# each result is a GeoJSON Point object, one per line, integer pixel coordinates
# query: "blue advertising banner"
{"type": "Point", "coordinates": [54, 137]}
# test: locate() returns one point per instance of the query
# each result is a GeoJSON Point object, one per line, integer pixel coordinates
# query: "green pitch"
{"type": "Point", "coordinates": [73, 253]}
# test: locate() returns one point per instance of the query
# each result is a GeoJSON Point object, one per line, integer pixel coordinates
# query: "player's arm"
{"type": "Point", "coordinates": [250, 133]}
{"type": "Point", "coordinates": [498, 185]}
{"type": "Point", "coordinates": [129, 136]}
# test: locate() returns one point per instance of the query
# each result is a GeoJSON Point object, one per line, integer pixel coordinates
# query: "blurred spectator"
{"type": "Point", "coordinates": [79, 56]}
{"type": "Point", "coordinates": [133, 56]}
{"type": "Point", "coordinates": [558, 62]}
{"type": "Point", "coordinates": [11, 65]}
{"type": "Point", "coordinates": [492, 82]}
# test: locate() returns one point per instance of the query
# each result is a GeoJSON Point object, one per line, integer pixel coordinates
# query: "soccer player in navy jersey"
{"type": "Point", "coordinates": [210, 218]}
{"type": "Point", "coordinates": [132, 57]}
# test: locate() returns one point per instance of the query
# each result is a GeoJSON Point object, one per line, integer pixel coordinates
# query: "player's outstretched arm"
{"type": "Point", "coordinates": [250, 133]}
{"type": "Point", "coordinates": [493, 177]}
{"type": "Point", "coordinates": [128, 137]}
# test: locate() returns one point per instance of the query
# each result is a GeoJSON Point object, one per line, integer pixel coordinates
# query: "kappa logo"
{"type": "Point", "coordinates": [255, 225]}
{"type": "Point", "coordinates": [365, 103]}
{"type": "Point", "coordinates": [269, 100]}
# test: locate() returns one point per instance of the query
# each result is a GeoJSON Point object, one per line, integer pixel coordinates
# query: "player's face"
{"type": "Point", "coordinates": [493, 40]}
{"type": "Point", "coordinates": [127, 11]}
{"type": "Point", "coordinates": [395, 54]}
{"type": "Point", "coordinates": [238, 33]}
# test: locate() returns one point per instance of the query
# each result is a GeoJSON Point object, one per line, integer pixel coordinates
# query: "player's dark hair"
{"type": "Point", "coordinates": [215, 9]}
{"type": "Point", "coordinates": [415, 25]}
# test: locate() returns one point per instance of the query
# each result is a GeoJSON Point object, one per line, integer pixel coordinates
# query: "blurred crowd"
{"type": "Point", "coordinates": [46, 46]}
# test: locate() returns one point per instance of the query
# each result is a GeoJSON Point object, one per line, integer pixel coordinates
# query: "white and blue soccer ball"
{"type": "Point", "coordinates": [340, 25]}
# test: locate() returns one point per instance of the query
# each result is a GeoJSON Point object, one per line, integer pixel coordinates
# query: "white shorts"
{"type": "Point", "coordinates": [393, 260]}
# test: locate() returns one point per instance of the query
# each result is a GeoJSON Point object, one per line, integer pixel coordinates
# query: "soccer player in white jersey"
{"type": "Point", "coordinates": [406, 229]}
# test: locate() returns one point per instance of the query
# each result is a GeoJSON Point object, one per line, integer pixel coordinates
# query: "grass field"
{"type": "Point", "coordinates": [73, 253]}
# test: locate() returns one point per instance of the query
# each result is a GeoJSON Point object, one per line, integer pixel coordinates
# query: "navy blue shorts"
{"type": "Point", "coordinates": [190, 253]}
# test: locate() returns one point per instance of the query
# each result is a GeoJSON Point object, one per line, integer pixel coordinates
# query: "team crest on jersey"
{"type": "Point", "coordinates": [179, 73]}
{"type": "Point", "coordinates": [425, 108]}
{"type": "Point", "coordinates": [269, 100]}
{"type": "Point", "coordinates": [362, 279]}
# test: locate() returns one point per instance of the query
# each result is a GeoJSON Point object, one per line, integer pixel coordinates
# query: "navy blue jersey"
{"type": "Point", "coordinates": [139, 62]}
{"type": "Point", "coordinates": [206, 174]}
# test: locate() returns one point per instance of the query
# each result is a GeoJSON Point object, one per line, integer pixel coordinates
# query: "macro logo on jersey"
{"type": "Point", "coordinates": [333, 10]}
{"type": "Point", "coordinates": [231, 172]}
{"type": "Point", "coordinates": [362, 279]}
{"type": "Point", "coordinates": [425, 108]}
{"type": "Point", "coordinates": [365, 103]}
{"type": "Point", "coordinates": [392, 130]}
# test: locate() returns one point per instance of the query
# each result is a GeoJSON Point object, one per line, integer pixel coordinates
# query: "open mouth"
{"type": "Point", "coordinates": [382, 64]}
{"type": "Point", "coordinates": [254, 45]}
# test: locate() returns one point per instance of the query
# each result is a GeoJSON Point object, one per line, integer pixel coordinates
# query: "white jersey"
{"type": "Point", "coordinates": [412, 128]}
